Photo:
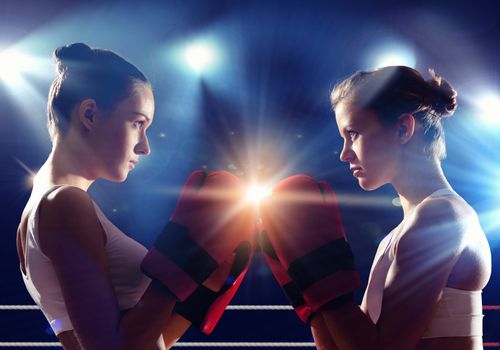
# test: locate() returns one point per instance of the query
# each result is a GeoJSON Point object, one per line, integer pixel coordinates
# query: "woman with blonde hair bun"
{"type": "Point", "coordinates": [424, 290]}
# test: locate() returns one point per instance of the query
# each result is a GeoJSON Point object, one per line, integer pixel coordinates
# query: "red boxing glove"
{"type": "Point", "coordinates": [209, 222]}
{"type": "Point", "coordinates": [289, 287]}
{"type": "Point", "coordinates": [305, 229]}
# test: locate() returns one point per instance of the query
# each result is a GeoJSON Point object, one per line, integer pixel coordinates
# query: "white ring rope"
{"type": "Point", "coordinates": [259, 307]}
{"type": "Point", "coordinates": [185, 344]}
{"type": "Point", "coordinates": [30, 344]}
{"type": "Point", "coordinates": [246, 344]}
{"type": "Point", "coordinates": [19, 307]}
{"type": "Point", "coordinates": [230, 307]}
{"type": "Point", "coordinates": [200, 344]}
{"type": "Point", "coordinates": [208, 344]}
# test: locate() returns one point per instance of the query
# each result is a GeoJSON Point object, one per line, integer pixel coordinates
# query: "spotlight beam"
{"type": "Point", "coordinates": [199, 56]}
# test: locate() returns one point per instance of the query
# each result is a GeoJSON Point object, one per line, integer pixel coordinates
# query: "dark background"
{"type": "Point", "coordinates": [263, 110]}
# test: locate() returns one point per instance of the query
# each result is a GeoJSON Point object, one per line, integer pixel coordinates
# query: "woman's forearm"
{"type": "Point", "coordinates": [322, 337]}
{"type": "Point", "coordinates": [141, 326]}
{"type": "Point", "coordinates": [176, 327]}
{"type": "Point", "coordinates": [350, 328]}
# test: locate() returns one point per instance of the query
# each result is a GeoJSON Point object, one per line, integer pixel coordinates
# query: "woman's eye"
{"type": "Point", "coordinates": [139, 123]}
{"type": "Point", "coordinates": [352, 134]}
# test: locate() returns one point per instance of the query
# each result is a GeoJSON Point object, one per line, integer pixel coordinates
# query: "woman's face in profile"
{"type": "Point", "coordinates": [371, 148]}
{"type": "Point", "coordinates": [122, 138]}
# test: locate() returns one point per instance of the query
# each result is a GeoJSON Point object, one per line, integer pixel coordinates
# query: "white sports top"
{"type": "Point", "coordinates": [458, 313]}
{"type": "Point", "coordinates": [124, 259]}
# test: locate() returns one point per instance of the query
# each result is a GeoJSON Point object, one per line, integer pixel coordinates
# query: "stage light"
{"type": "Point", "coordinates": [394, 59]}
{"type": "Point", "coordinates": [199, 56]}
{"type": "Point", "coordinates": [391, 54]}
{"type": "Point", "coordinates": [12, 64]}
{"type": "Point", "coordinates": [489, 108]}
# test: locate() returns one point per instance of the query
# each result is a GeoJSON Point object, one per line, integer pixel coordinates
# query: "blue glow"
{"type": "Point", "coordinates": [392, 53]}
{"type": "Point", "coordinates": [488, 106]}
{"type": "Point", "coordinates": [12, 65]}
{"type": "Point", "coordinates": [199, 56]}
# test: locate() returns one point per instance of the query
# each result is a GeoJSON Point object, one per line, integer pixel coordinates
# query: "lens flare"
{"type": "Point", "coordinates": [256, 193]}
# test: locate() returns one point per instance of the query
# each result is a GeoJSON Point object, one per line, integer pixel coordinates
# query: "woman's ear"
{"type": "Point", "coordinates": [86, 113]}
{"type": "Point", "coordinates": [405, 127]}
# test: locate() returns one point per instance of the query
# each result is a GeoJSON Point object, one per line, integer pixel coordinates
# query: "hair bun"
{"type": "Point", "coordinates": [68, 54]}
{"type": "Point", "coordinates": [441, 95]}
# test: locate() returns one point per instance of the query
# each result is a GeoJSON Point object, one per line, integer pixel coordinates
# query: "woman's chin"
{"type": "Point", "coordinates": [367, 185]}
{"type": "Point", "coordinates": [117, 177]}
{"type": "Point", "coordinates": [123, 177]}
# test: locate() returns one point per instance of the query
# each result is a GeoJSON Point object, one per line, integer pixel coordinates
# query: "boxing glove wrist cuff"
{"type": "Point", "coordinates": [197, 305]}
{"type": "Point", "coordinates": [177, 261]}
{"type": "Point", "coordinates": [322, 262]}
{"type": "Point", "coordinates": [163, 288]}
{"type": "Point", "coordinates": [205, 307]}
{"type": "Point", "coordinates": [175, 243]}
{"type": "Point", "coordinates": [292, 292]}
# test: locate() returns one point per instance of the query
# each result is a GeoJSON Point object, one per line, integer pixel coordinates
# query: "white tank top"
{"type": "Point", "coordinates": [124, 258]}
{"type": "Point", "coordinates": [458, 313]}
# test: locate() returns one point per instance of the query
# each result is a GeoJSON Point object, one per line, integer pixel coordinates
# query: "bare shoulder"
{"type": "Point", "coordinates": [68, 214]}
{"type": "Point", "coordinates": [439, 223]}
{"type": "Point", "coordinates": [443, 208]}
{"type": "Point", "coordinates": [472, 269]}
{"type": "Point", "coordinates": [65, 198]}
{"type": "Point", "coordinates": [454, 214]}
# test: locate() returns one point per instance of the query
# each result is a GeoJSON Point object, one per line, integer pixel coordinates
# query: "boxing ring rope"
{"type": "Point", "coordinates": [186, 344]}
{"type": "Point", "coordinates": [212, 344]}
{"type": "Point", "coordinates": [229, 307]}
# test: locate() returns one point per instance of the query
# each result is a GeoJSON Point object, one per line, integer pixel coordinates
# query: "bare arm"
{"type": "Point", "coordinates": [321, 335]}
{"type": "Point", "coordinates": [424, 258]}
{"type": "Point", "coordinates": [73, 238]}
{"type": "Point", "coordinates": [175, 328]}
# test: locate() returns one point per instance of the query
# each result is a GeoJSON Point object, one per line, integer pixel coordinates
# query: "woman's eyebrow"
{"type": "Point", "coordinates": [144, 115]}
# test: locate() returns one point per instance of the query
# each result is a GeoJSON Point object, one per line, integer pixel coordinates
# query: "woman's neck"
{"type": "Point", "coordinates": [418, 179]}
{"type": "Point", "coordinates": [66, 165]}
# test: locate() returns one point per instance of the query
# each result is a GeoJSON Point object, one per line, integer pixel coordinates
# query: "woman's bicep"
{"type": "Point", "coordinates": [424, 258]}
{"type": "Point", "coordinates": [73, 239]}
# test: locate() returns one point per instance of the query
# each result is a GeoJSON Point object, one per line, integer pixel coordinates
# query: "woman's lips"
{"type": "Point", "coordinates": [356, 170]}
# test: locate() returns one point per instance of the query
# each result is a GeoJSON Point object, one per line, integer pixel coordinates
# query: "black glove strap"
{"type": "Point", "coordinates": [321, 262]}
{"type": "Point", "coordinates": [175, 243]}
{"type": "Point", "coordinates": [196, 306]}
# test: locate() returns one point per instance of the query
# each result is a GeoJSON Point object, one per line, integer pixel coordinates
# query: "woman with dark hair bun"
{"type": "Point", "coordinates": [83, 272]}
{"type": "Point", "coordinates": [424, 290]}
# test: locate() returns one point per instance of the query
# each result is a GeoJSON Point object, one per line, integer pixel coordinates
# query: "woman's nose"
{"type": "Point", "coordinates": [142, 147]}
{"type": "Point", "coordinates": [347, 154]}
